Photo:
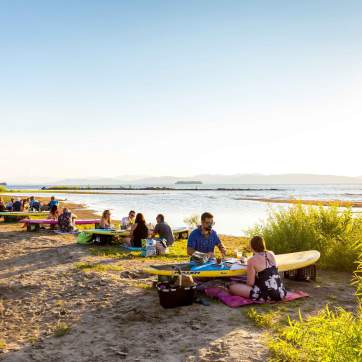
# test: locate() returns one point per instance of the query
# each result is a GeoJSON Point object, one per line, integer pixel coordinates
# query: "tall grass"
{"type": "Point", "coordinates": [3, 188]}
{"type": "Point", "coordinates": [328, 229]}
{"type": "Point", "coordinates": [327, 336]}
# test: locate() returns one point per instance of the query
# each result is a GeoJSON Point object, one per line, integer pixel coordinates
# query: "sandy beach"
{"type": "Point", "coordinates": [53, 309]}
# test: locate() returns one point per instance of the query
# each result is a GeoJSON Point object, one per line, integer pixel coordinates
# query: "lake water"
{"type": "Point", "coordinates": [232, 216]}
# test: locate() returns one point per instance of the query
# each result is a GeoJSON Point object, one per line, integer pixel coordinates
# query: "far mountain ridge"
{"type": "Point", "coordinates": [218, 179]}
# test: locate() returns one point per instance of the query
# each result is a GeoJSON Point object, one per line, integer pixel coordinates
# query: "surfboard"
{"type": "Point", "coordinates": [24, 213]}
{"type": "Point", "coordinates": [107, 232]}
{"type": "Point", "coordinates": [285, 262]}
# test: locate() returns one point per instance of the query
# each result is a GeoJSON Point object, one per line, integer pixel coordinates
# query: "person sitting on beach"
{"type": "Point", "coordinates": [163, 230]}
{"type": "Point", "coordinates": [24, 204]}
{"type": "Point", "coordinates": [34, 204]}
{"type": "Point", "coordinates": [53, 202]}
{"type": "Point", "coordinates": [105, 220]}
{"type": "Point", "coordinates": [53, 213]}
{"type": "Point", "coordinates": [129, 220]}
{"type": "Point", "coordinates": [17, 205]}
{"type": "Point", "coordinates": [2, 205]}
{"type": "Point", "coordinates": [263, 279]}
{"type": "Point", "coordinates": [9, 205]}
{"type": "Point", "coordinates": [66, 221]}
{"type": "Point", "coordinates": [204, 239]}
{"type": "Point", "coordinates": [139, 231]}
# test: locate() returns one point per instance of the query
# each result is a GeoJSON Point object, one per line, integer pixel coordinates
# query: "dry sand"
{"type": "Point", "coordinates": [115, 315]}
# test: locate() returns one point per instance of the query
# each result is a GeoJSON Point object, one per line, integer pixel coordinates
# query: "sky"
{"type": "Point", "coordinates": [107, 88]}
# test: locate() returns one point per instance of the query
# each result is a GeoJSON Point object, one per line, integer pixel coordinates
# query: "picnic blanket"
{"type": "Point", "coordinates": [234, 301]}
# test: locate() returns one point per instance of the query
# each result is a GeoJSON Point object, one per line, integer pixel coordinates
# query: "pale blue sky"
{"type": "Point", "coordinates": [250, 86]}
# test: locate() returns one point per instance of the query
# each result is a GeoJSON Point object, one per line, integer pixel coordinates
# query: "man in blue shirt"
{"type": "Point", "coordinates": [53, 202]}
{"type": "Point", "coordinates": [204, 239]}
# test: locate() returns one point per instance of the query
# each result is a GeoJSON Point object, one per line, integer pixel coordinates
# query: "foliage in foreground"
{"type": "Point", "coordinates": [327, 336]}
{"type": "Point", "coordinates": [332, 231]}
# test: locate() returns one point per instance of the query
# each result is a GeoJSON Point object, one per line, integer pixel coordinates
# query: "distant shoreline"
{"type": "Point", "coordinates": [340, 203]}
{"type": "Point", "coordinates": [156, 188]}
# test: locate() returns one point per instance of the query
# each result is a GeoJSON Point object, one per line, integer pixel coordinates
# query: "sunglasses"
{"type": "Point", "coordinates": [211, 223]}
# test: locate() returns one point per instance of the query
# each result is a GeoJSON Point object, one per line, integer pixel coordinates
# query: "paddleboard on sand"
{"type": "Point", "coordinates": [112, 232]}
{"type": "Point", "coordinates": [24, 213]}
{"type": "Point", "coordinates": [285, 262]}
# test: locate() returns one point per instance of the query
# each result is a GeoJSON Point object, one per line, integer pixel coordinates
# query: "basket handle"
{"type": "Point", "coordinates": [179, 271]}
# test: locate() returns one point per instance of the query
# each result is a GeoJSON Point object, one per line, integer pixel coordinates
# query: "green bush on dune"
{"type": "Point", "coordinates": [3, 188]}
{"type": "Point", "coordinates": [328, 229]}
{"type": "Point", "coordinates": [328, 335]}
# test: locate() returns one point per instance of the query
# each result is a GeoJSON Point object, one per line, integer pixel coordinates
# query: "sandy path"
{"type": "Point", "coordinates": [115, 315]}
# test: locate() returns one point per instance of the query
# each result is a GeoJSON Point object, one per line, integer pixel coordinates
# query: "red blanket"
{"type": "Point", "coordinates": [235, 301]}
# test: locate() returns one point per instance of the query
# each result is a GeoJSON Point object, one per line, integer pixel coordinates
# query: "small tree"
{"type": "Point", "coordinates": [192, 221]}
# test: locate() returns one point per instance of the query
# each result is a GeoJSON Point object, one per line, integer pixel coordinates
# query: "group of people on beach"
{"type": "Point", "coordinates": [263, 279]}
{"type": "Point", "coordinates": [139, 229]}
{"type": "Point", "coordinates": [25, 204]}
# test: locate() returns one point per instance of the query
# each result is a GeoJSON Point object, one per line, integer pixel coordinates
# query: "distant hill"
{"type": "Point", "coordinates": [245, 179]}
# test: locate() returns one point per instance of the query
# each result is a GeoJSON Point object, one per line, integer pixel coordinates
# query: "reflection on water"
{"type": "Point", "coordinates": [232, 216]}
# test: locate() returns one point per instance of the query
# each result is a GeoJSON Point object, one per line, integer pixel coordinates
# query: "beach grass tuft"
{"type": "Point", "coordinates": [262, 319]}
{"type": "Point", "coordinates": [98, 267]}
{"type": "Point", "coordinates": [330, 230]}
{"type": "Point", "coordinates": [327, 336]}
{"type": "Point", "coordinates": [61, 329]}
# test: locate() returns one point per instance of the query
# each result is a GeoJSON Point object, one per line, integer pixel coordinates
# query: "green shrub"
{"type": "Point", "coordinates": [328, 229]}
{"type": "Point", "coordinates": [3, 188]}
{"type": "Point", "coordinates": [192, 221]}
{"type": "Point", "coordinates": [61, 329]}
{"type": "Point", "coordinates": [327, 336]}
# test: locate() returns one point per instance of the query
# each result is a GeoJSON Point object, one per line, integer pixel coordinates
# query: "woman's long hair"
{"type": "Point", "coordinates": [107, 216]}
{"type": "Point", "coordinates": [54, 209]}
{"type": "Point", "coordinates": [257, 243]}
{"type": "Point", "coordinates": [140, 219]}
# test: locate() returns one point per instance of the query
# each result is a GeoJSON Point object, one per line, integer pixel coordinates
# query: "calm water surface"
{"type": "Point", "coordinates": [232, 216]}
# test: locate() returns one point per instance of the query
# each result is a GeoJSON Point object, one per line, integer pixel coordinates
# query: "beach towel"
{"type": "Point", "coordinates": [74, 232]}
{"type": "Point", "coordinates": [84, 238]}
{"type": "Point", "coordinates": [234, 301]}
{"type": "Point", "coordinates": [132, 248]}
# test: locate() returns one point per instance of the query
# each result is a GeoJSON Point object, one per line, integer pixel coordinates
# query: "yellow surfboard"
{"type": "Point", "coordinates": [285, 262]}
{"type": "Point", "coordinates": [24, 213]}
{"type": "Point", "coordinates": [107, 232]}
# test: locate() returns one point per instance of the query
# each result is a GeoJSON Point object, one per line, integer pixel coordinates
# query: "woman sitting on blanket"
{"type": "Point", "coordinates": [2, 205]}
{"type": "Point", "coordinates": [105, 220]}
{"type": "Point", "coordinates": [53, 213]}
{"type": "Point", "coordinates": [263, 279]}
{"type": "Point", "coordinates": [66, 221]}
{"type": "Point", "coordinates": [139, 231]}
